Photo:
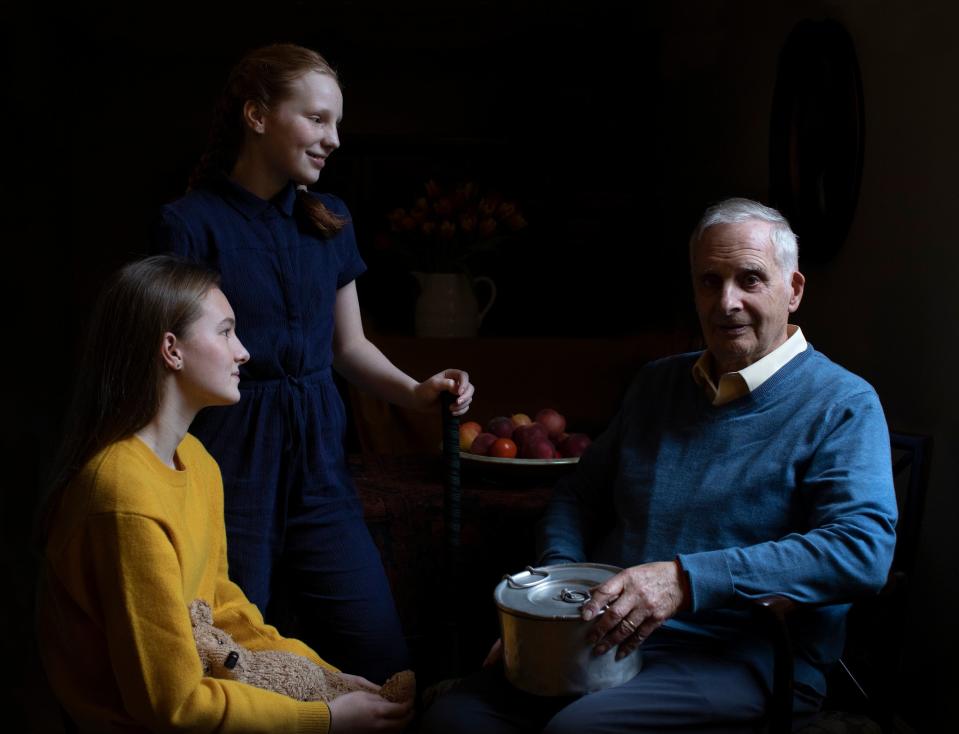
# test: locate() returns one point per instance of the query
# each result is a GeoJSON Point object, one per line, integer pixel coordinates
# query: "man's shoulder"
{"type": "Point", "coordinates": [675, 366]}
{"type": "Point", "coordinates": [825, 374]}
{"type": "Point", "coordinates": [809, 371]}
{"type": "Point", "coordinates": [661, 376]}
{"type": "Point", "coordinates": [673, 362]}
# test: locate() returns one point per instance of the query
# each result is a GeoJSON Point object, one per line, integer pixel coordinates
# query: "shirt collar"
{"type": "Point", "coordinates": [733, 385]}
{"type": "Point", "coordinates": [761, 370]}
{"type": "Point", "coordinates": [249, 204]}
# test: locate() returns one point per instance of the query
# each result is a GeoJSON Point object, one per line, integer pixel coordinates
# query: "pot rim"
{"type": "Point", "coordinates": [572, 616]}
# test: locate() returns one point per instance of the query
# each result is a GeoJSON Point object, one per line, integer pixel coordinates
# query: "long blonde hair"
{"type": "Point", "coordinates": [119, 379]}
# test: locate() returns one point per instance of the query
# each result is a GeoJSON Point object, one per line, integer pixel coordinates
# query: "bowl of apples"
{"type": "Point", "coordinates": [521, 443]}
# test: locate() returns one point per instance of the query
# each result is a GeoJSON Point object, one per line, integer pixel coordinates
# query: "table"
{"type": "Point", "coordinates": [582, 378]}
{"type": "Point", "coordinates": [402, 498]}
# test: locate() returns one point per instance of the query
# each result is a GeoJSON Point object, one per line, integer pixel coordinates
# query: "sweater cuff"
{"type": "Point", "coordinates": [553, 559]}
{"type": "Point", "coordinates": [313, 718]}
{"type": "Point", "coordinates": [710, 582]}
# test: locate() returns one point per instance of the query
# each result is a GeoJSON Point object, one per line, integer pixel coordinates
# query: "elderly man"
{"type": "Point", "coordinates": [755, 467]}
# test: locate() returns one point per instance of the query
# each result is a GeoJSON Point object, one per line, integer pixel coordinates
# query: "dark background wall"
{"type": "Point", "coordinates": [612, 124]}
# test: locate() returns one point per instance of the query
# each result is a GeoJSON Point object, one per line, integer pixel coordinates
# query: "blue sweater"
{"type": "Point", "coordinates": [787, 490]}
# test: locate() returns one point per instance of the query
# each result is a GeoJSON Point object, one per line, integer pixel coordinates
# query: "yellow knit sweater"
{"type": "Point", "coordinates": [133, 543]}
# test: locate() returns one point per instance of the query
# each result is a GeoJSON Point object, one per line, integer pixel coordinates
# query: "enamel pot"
{"type": "Point", "coordinates": [545, 651]}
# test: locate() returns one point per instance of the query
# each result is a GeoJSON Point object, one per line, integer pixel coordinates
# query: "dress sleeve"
{"type": "Point", "coordinates": [151, 646]}
{"type": "Point", "coordinates": [852, 516]}
{"type": "Point", "coordinates": [351, 263]}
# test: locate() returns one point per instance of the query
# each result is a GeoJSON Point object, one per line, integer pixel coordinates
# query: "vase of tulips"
{"type": "Point", "coordinates": [440, 236]}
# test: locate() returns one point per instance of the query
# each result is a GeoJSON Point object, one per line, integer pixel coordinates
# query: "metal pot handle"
{"type": "Point", "coordinates": [514, 584]}
{"type": "Point", "coordinates": [575, 596]}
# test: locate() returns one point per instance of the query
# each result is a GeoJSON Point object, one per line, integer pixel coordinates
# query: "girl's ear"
{"type": "Point", "coordinates": [253, 116]}
{"type": "Point", "coordinates": [170, 352]}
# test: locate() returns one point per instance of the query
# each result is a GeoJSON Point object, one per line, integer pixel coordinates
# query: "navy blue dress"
{"type": "Point", "coordinates": [293, 519]}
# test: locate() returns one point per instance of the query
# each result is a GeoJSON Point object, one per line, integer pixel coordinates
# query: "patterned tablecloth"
{"type": "Point", "coordinates": [403, 503]}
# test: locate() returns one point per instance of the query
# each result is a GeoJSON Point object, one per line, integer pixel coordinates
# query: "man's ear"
{"type": "Point", "coordinates": [254, 116]}
{"type": "Point", "coordinates": [170, 352]}
{"type": "Point", "coordinates": [797, 284]}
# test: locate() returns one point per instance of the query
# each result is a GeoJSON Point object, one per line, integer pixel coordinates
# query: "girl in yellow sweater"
{"type": "Point", "coordinates": [133, 530]}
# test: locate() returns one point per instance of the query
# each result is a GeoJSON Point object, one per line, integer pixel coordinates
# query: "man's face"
{"type": "Point", "coordinates": [742, 297]}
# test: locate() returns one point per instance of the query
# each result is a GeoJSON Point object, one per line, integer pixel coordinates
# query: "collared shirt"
{"type": "Point", "coordinates": [734, 385]}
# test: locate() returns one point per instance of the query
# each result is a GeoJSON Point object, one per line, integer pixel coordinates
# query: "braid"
{"type": "Point", "coordinates": [311, 209]}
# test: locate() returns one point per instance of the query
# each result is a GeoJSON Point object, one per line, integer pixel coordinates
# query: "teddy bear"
{"type": "Point", "coordinates": [278, 670]}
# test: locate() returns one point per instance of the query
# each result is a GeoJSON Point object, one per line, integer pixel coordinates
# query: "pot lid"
{"type": "Point", "coordinates": [551, 592]}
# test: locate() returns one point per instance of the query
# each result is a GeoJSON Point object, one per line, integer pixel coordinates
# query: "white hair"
{"type": "Point", "coordinates": [738, 210]}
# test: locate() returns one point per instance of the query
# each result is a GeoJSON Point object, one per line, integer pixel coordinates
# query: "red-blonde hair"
{"type": "Point", "coordinates": [262, 76]}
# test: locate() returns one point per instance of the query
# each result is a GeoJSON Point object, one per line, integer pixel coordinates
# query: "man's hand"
{"type": "Point", "coordinates": [640, 599]}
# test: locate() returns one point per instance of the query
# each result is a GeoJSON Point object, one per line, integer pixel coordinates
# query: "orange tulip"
{"type": "Point", "coordinates": [447, 230]}
{"type": "Point", "coordinates": [487, 227]}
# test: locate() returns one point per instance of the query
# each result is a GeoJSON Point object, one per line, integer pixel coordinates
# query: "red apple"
{"type": "Point", "coordinates": [518, 435]}
{"type": "Point", "coordinates": [528, 433]}
{"type": "Point", "coordinates": [539, 449]}
{"type": "Point", "coordinates": [501, 426]}
{"type": "Point", "coordinates": [575, 444]}
{"type": "Point", "coordinates": [482, 443]}
{"type": "Point", "coordinates": [553, 421]}
{"type": "Point", "coordinates": [468, 432]}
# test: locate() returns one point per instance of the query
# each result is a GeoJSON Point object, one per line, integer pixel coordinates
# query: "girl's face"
{"type": "Point", "coordinates": [211, 355]}
{"type": "Point", "coordinates": [299, 132]}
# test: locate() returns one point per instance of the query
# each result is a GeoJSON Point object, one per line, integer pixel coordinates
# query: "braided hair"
{"type": "Point", "coordinates": [264, 77]}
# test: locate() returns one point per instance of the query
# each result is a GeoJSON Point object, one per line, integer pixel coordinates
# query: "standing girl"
{"type": "Point", "coordinates": [288, 260]}
{"type": "Point", "coordinates": [133, 531]}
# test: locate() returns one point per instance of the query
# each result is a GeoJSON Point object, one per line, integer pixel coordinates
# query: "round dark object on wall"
{"type": "Point", "coordinates": [817, 136]}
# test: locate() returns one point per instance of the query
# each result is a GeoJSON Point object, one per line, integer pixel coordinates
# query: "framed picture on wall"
{"type": "Point", "coordinates": [817, 136]}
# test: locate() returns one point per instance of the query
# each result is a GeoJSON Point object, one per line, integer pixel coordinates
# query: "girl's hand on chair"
{"type": "Point", "coordinates": [456, 382]}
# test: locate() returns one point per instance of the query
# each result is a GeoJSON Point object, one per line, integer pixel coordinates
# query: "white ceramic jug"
{"type": "Point", "coordinates": [447, 305]}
